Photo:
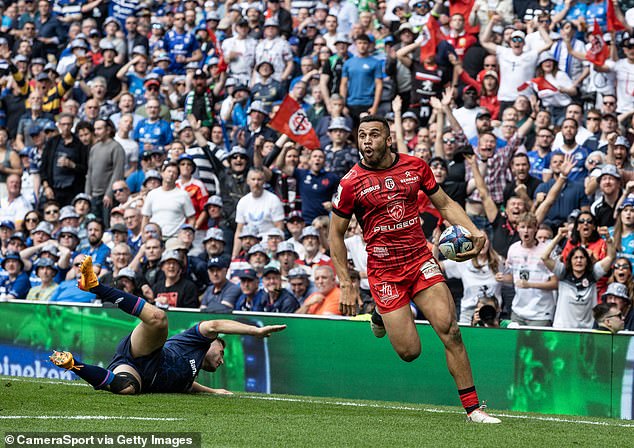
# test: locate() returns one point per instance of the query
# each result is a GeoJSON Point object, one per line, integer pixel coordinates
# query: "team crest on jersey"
{"type": "Point", "coordinates": [396, 210]}
{"type": "Point", "coordinates": [386, 292]}
{"type": "Point", "coordinates": [389, 183]}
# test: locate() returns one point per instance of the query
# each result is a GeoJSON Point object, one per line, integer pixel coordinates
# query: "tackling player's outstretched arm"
{"type": "Point", "coordinates": [452, 212]}
{"type": "Point", "coordinates": [211, 328]}
{"type": "Point", "coordinates": [196, 388]}
{"type": "Point", "coordinates": [339, 254]}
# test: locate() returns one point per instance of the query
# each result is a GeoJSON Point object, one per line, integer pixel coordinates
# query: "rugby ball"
{"type": "Point", "coordinates": [453, 241]}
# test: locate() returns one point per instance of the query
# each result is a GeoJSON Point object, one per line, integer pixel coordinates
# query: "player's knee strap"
{"type": "Point", "coordinates": [122, 380]}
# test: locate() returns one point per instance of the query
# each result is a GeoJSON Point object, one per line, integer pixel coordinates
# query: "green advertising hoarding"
{"type": "Point", "coordinates": [535, 371]}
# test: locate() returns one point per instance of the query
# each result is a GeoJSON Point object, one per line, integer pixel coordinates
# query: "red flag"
{"type": "Point", "coordinates": [464, 7]}
{"type": "Point", "coordinates": [430, 35]}
{"type": "Point", "coordinates": [292, 121]}
{"type": "Point", "coordinates": [614, 24]}
{"type": "Point", "coordinates": [540, 86]}
{"type": "Point", "coordinates": [599, 51]}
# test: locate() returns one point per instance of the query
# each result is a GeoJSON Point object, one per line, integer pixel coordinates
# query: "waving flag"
{"type": "Point", "coordinates": [291, 120]}
{"type": "Point", "coordinates": [431, 36]}
{"type": "Point", "coordinates": [540, 86]}
{"type": "Point", "coordinates": [599, 51]}
{"type": "Point", "coordinates": [613, 23]}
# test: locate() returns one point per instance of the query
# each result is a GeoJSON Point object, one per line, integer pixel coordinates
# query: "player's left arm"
{"type": "Point", "coordinates": [452, 212]}
{"type": "Point", "coordinates": [211, 328]}
{"type": "Point", "coordinates": [197, 388]}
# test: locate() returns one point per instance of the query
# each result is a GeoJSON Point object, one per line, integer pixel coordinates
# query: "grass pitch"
{"type": "Point", "coordinates": [246, 420]}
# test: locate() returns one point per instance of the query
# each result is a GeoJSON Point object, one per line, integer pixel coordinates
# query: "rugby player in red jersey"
{"type": "Point", "coordinates": [382, 192]}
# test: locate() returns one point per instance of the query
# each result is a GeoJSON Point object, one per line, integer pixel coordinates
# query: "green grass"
{"type": "Point", "coordinates": [275, 420]}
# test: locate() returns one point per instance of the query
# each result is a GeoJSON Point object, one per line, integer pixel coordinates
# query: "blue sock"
{"type": "Point", "coordinates": [97, 377]}
{"type": "Point", "coordinates": [129, 303]}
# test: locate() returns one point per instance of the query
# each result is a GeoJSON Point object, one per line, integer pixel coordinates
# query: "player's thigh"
{"type": "Point", "coordinates": [401, 330]}
{"type": "Point", "coordinates": [151, 333]}
{"type": "Point", "coordinates": [438, 306]}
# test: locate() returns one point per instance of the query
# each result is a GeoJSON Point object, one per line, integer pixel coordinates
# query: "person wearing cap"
{"type": "Point", "coordinates": [619, 291]}
{"type": "Point", "coordinates": [214, 243]}
{"type": "Point", "coordinates": [153, 131]}
{"type": "Point", "coordinates": [15, 284]}
{"type": "Point", "coordinates": [199, 100]}
{"type": "Point", "coordinates": [607, 316]}
{"type": "Point", "coordinates": [516, 64]}
{"type": "Point", "coordinates": [314, 256]}
{"type": "Point", "coordinates": [173, 288]}
{"type": "Point", "coordinates": [273, 298]}
{"type": "Point", "coordinates": [67, 290]}
{"type": "Point", "coordinates": [340, 154]}
{"type": "Point", "coordinates": [108, 69]}
{"type": "Point", "coordinates": [112, 28]}
{"type": "Point", "coordinates": [295, 225]}
{"type": "Point", "coordinates": [555, 102]}
{"type": "Point", "coordinates": [325, 300]}
{"type": "Point", "coordinates": [362, 80]}
{"type": "Point", "coordinates": [267, 90]}
{"type": "Point", "coordinates": [287, 257]}
{"type": "Point", "coordinates": [119, 235]}
{"type": "Point", "coordinates": [215, 219]}
{"type": "Point", "coordinates": [45, 271]}
{"type": "Point", "coordinates": [221, 294]}
{"type": "Point", "coordinates": [239, 51]}
{"type": "Point", "coordinates": [275, 49]}
{"type": "Point", "coordinates": [273, 238]}
{"type": "Point", "coordinates": [194, 187]}
{"type": "Point", "coordinates": [260, 207]}
{"type": "Point", "coordinates": [152, 180]}
{"type": "Point", "coordinates": [256, 126]}
{"type": "Point", "coordinates": [299, 284]}
{"type": "Point", "coordinates": [181, 45]}
{"type": "Point", "coordinates": [258, 258]}
{"type": "Point", "coordinates": [249, 287]}
{"type": "Point", "coordinates": [41, 233]}
{"type": "Point", "coordinates": [107, 162]}
{"type": "Point", "coordinates": [609, 185]}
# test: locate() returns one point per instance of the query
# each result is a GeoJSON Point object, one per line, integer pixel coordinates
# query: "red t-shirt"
{"type": "Point", "coordinates": [385, 203]}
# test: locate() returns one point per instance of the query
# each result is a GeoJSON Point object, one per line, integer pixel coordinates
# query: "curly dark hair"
{"type": "Point", "coordinates": [589, 262]}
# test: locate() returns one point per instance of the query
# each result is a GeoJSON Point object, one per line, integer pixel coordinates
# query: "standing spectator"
{"type": "Point", "coordinates": [34, 117]}
{"type": "Point", "coordinates": [152, 132]}
{"type": "Point", "coordinates": [240, 51]}
{"type": "Point", "coordinates": [194, 188]}
{"type": "Point", "coordinates": [49, 30]}
{"type": "Point", "coordinates": [168, 206]}
{"type": "Point", "coordinates": [260, 207]}
{"type": "Point", "coordinates": [107, 160]}
{"type": "Point", "coordinates": [340, 154]}
{"type": "Point", "coordinates": [130, 146]}
{"type": "Point", "coordinates": [14, 206]}
{"type": "Point", "coordinates": [276, 50]}
{"type": "Point", "coordinates": [362, 81]}
{"type": "Point", "coordinates": [64, 163]}
{"type": "Point", "coordinates": [108, 70]}
{"type": "Point", "coordinates": [181, 46]}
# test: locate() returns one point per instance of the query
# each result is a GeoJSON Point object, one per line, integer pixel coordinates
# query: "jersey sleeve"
{"type": "Point", "coordinates": [343, 200]}
{"type": "Point", "coordinates": [427, 180]}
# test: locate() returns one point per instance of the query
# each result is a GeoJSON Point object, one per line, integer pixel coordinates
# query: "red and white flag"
{"type": "Point", "coordinates": [540, 86]}
{"type": "Point", "coordinates": [291, 120]}
{"type": "Point", "coordinates": [599, 51]}
{"type": "Point", "coordinates": [613, 23]}
{"type": "Point", "coordinates": [431, 36]}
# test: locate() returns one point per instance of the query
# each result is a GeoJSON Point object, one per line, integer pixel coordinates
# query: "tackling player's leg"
{"type": "Point", "coordinates": [438, 306]}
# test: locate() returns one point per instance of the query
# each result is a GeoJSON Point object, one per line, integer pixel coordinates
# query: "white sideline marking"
{"type": "Point", "coordinates": [42, 380]}
{"type": "Point", "coordinates": [436, 410]}
{"type": "Point", "coordinates": [84, 417]}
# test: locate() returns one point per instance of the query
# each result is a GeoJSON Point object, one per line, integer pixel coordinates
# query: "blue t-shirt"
{"type": "Point", "coordinates": [598, 12]}
{"type": "Point", "coordinates": [68, 291]}
{"type": "Point", "coordinates": [538, 164]}
{"type": "Point", "coordinates": [99, 254]}
{"type": "Point", "coordinates": [572, 196]}
{"type": "Point", "coordinates": [361, 74]}
{"type": "Point", "coordinates": [179, 45]}
{"type": "Point", "coordinates": [152, 135]}
{"type": "Point", "coordinates": [315, 189]}
{"type": "Point", "coordinates": [627, 246]}
{"type": "Point", "coordinates": [579, 172]}
{"type": "Point", "coordinates": [18, 288]}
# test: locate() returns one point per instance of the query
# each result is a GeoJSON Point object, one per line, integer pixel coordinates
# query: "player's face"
{"type": "Point", "coordinates": [374, 142]}
{"type": "Point", "coordinates": [214, 358]}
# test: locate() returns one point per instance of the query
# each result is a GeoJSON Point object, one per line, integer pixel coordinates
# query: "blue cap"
{"type": "Point", "coordinates": [45, 263]}
{"type": "Point", "coordinates": [12, 256]}
{"type": "Point", "coordinates": [628, 202]}
{"type": "Point", "coordinates": [222, 262]}
{"type": "Point", "coordinates": [247, 274]}
{"type": "Point", "coordinates": [8, 224]}
{"type": "Point", "coordinates": [186, 157]}
{"type": "Point", "coordinates": [50, 126]}
{"type": "Point", "coordinates": [187, 227]}
{"type": "Point", "coordinates": [293, 40]}
{"type": "Point", "coordinates": [35, 129]}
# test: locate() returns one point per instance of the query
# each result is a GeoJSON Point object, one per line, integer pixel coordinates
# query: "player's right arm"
{"type": "Point", "coordinates": [339, 254]}
{"type": "Point", "coordinates": [211, 328]}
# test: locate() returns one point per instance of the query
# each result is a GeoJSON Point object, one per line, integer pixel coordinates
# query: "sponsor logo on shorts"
{"type": "Point", "coordinates": [369, 190]}
{"type": "Point", "coordinates": [386, 292]}
{"type": "Point", "coordinates": [430, 269]}
{"type": "Point", "coordinates": [396, 210]}
{"type": "Point", "coordinates": [380, 252]}
{"type": "Point", "coordinates": [389, 183]}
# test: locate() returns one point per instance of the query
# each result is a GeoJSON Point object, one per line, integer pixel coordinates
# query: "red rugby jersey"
{"type": "Point", "coordinates": [385, 203]}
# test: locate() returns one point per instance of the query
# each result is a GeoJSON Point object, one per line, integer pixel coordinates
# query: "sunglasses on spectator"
{"type": "Point", "coordinates": [51, 212]}
{"type": "Point", "coordinates": [449, 140]}
{"type": "Point", "coordinates": [437, 165]}
{"type": "Point", "coordinates": [152, 88]}
{"type": "Point", "coordinates": [239, 156]}
{"type": "Point", "coordinates": [517, 39]}
{"type": "Point", "coordinates": [610, 103]}
{"type": "Point", "coordinates": [621, 266]}
{"type": "Point", "coordinates": [585, 221]}
{"type": "Point", "coordinates": [32, 220]}
{"type": "Point", "coordinates": [118, 190]}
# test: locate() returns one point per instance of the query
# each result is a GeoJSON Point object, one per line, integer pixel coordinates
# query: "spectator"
{"type": "Point", "coordinates": [96, 248]}
{"type": "Point", "coordinates": [14, 206]}
{"type": "Point", "coordinates": [608, 317]}
{"type": "Point", "coordinates": [273, 298]}
{"type": "Point", "coordinates": [325, 301]}
{"type": "Point", "coordinates": [173, 289]}
{"type": "Point", "coordinates": [67, 291]}
{"type": "Point", "coordinates": [240, 52]}
{"type": "Point", "coordinates": [221, 295]}
{"type": "Point", "coordinates": [45, 270]}
{"type": "Point", "coordinates": [168, 206]}
{"type": "Point", "coordinates": [14, 283]}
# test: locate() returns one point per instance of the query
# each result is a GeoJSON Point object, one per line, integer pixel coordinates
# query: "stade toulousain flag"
{"type": "Point", "coordinates": [292, 121]}
{"type": "Point", "coordinates": [431, 36]}
{"type": "Point", "coordinates": [599, 51]}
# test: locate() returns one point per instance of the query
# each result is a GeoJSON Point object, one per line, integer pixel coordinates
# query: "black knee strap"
{"type": "Point", "coordinates": [122, 380]}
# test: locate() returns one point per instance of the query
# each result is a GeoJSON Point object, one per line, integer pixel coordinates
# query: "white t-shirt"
{"type": "Point", "coordinates": [169, 209]}
{"type": "Point", "coordinates": [515, 70]}
{"type": "Point", "coordinates": [472, 280]}
{"type": "Point", "coordinates": [576, 300]}
{"type": "Point", "coordinates": [15, 210]}
{"type": "Point", "coordinates": [624, 84]}
{"type": "Point", "coordinates": [556, 99]}
{"type": "Point", "coordinates": [359, 256]}
{"type": "Point", "coordinates": [526, 264]}
{"type": "Point", "coordinates": [131, 148]}
{"type": "Point", "coordinates": [467, 119]}
{"type": "Point", "coordinates": [261, 212]}
{"type": "Point", "coordinates": [244, 64]}
{"type": "Point", "coordinates": [582, 135]}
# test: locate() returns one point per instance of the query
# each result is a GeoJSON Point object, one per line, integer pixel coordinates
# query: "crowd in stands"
{"type": "Point", "coordinates": [136, 131]}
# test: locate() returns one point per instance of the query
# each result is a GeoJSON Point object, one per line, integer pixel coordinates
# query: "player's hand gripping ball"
{"type": "Point", "coordinates": [453, 241]}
